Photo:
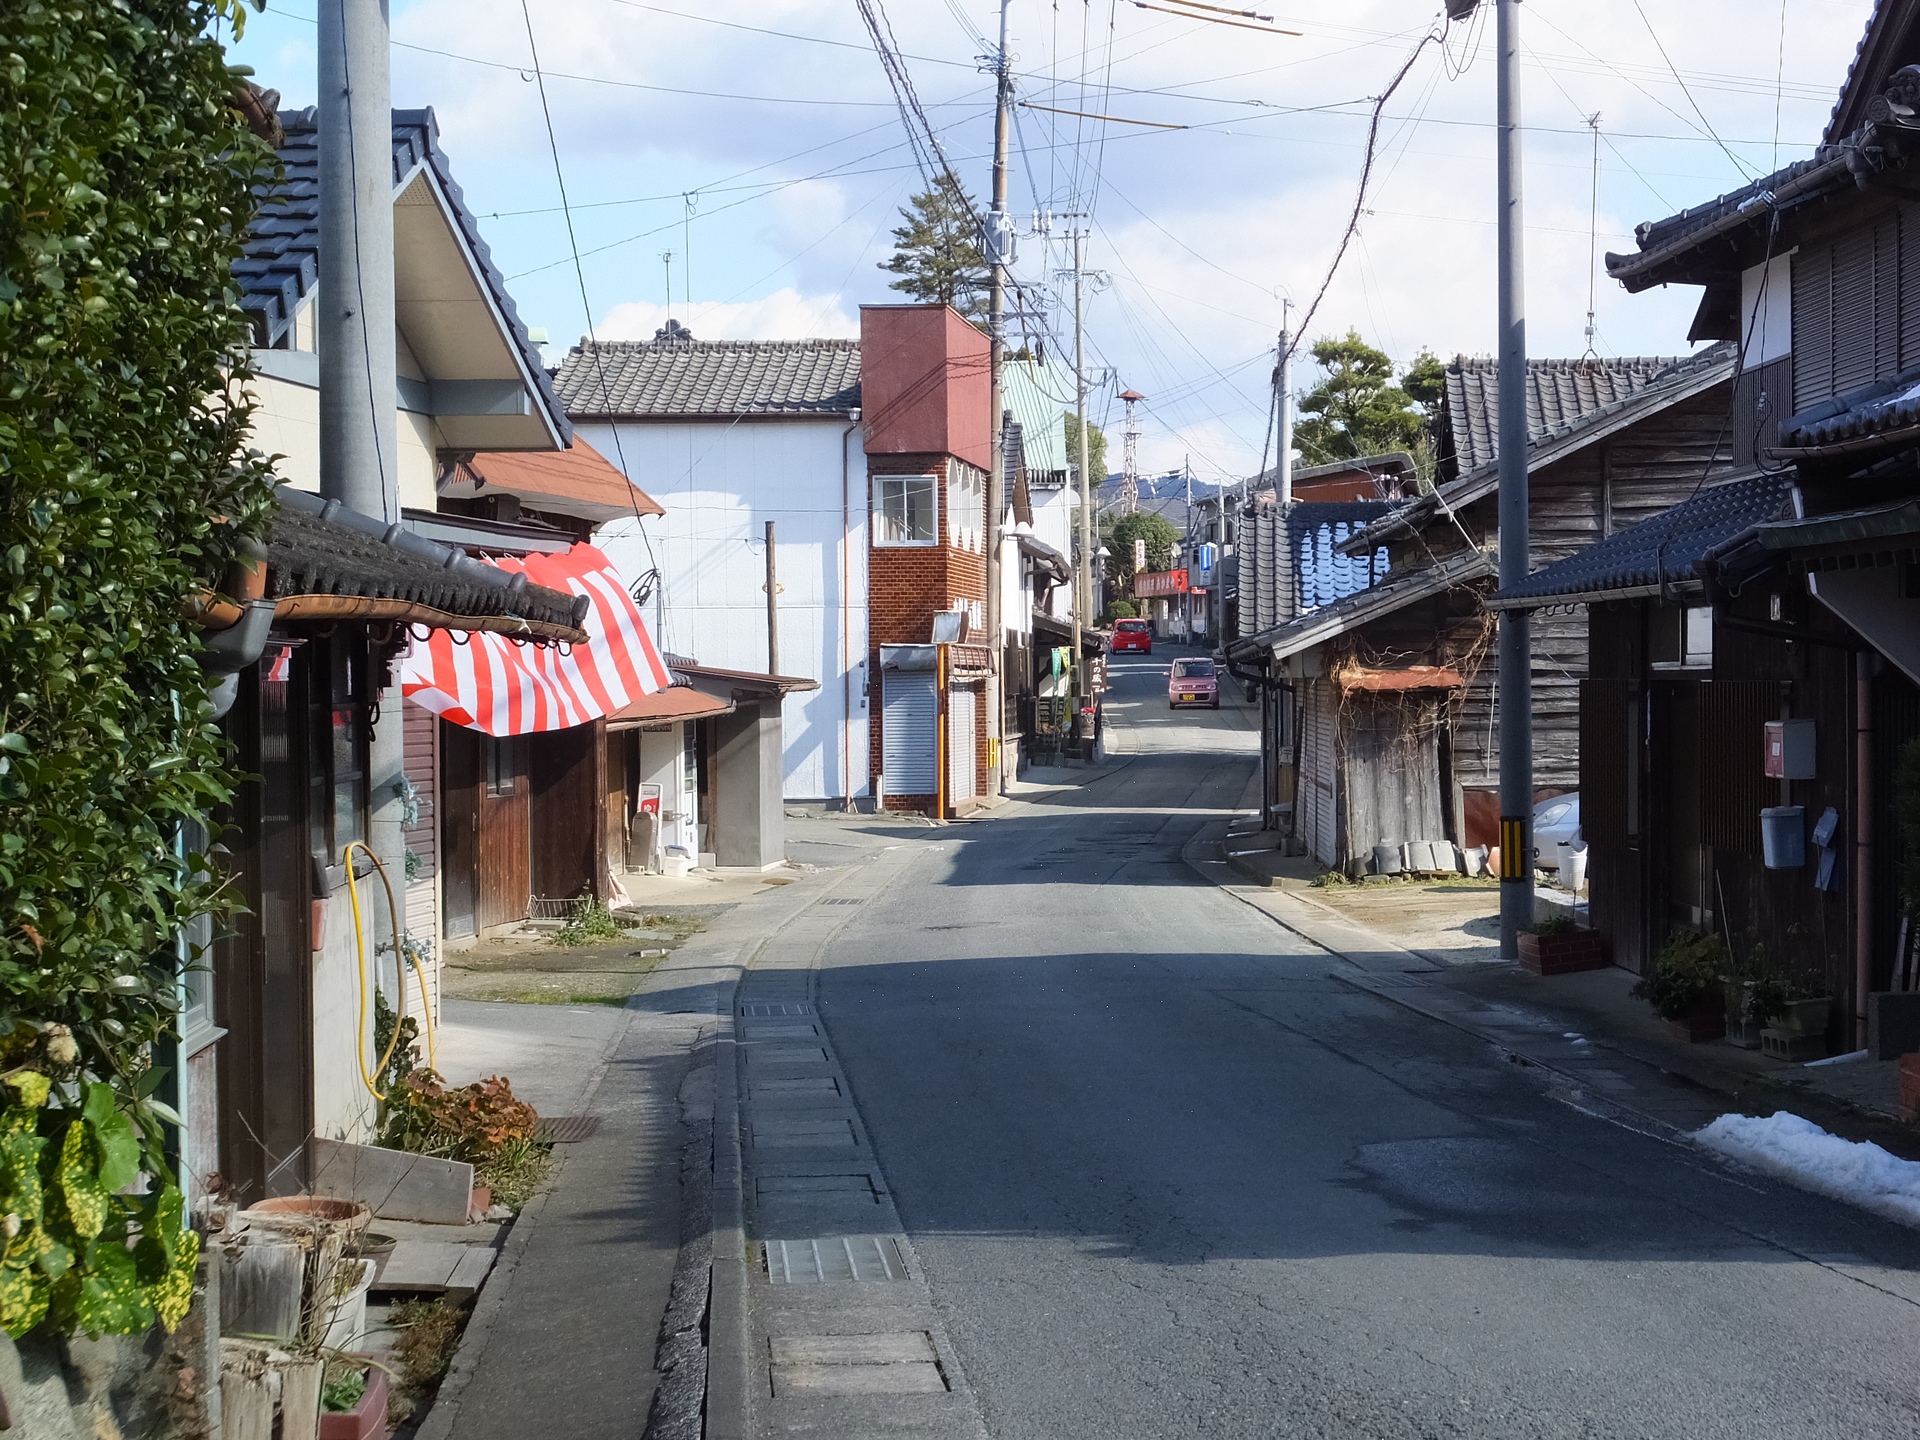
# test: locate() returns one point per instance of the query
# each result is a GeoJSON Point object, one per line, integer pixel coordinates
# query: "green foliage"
{"type": "Point", "coordinates": [588, 925]}
{"type": "Point", "coordinates": [937, 252]}
{"type": "Point", "coordinates": [1156, 530]}
{"type": "Point", "coordinates": [1552, 925]}
{"type": "Point", "coordinates": [1356, 409]}
{"type": "Point", "coordinates": [79, 1253]}
{"type": "Point", "coordinates": [1687, 970]}
{"type": "Point", "coordinates": [125, 186]}
{"type": "Point", "coordinates": [1122, 610]}
{"type": "Point", "coordinates": [1096, 443]}
{"type": "Point", "coordinates": [340, 1394]}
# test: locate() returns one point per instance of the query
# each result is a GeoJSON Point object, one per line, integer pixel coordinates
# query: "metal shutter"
{"type": "Point", "coordinates": [1853, 311]}
{"type": "Point", "coordinates": [1319, 778]}
{"type": "Point", "coordinates": [909, 728]}
{"type": "Point", "coordinates": [1812, 325]}
{"type": "Point", "coordinates": [960, 743]}
{"type": "Point", "coordinates": [1909, 285]}
{"type": "Point", "coordinates": [1886, 297]}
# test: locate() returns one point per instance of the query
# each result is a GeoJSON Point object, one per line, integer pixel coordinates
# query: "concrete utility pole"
{"type": "Point", "coordinates": [999, 240]}
{"type": "Point", "coordinates": [1083, 602]}
{"type": "Point", "coordinates": [1516, 649]}
{"type": "Point", "coordinates": [359, 452]}
{"type": "Point", "coordinates": [1283, 409]}
{"type": "Point", "coordinates": [359, 362]}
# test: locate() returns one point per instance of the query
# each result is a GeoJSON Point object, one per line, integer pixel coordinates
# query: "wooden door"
{"type": "Point", "coordinates": [563, 811]}
{"type": "Point", "coordinates": [460, 753]}
{"type": "Point", "coordinates": [504, 867]}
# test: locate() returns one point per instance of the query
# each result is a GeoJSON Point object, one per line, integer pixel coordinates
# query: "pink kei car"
{"type": "Point", "coordinates": [1133, 635]}
{"type": "Point", "coordinates": [1193, 682]}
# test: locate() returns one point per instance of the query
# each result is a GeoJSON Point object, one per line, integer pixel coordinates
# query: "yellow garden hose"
{"type": "Point", "coordinates": [400, 959]}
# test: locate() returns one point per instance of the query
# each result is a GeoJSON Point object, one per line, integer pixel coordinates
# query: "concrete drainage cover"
{"type": "Point", "coordinates": [898, 1364]}
{"type": "Point", "coordinates": [797, 1085]}
{"type": "Point", "coordinates": [838, 1259]}
{"type": "Point", "coordinates": [819, 1189]}
{"type": "Point", "coordinates": [764, 1054]}
{"type": "Point", "coordinates": [793, 1008]}
{"type": "Point", "coordinates": [842, 900]}
{"type": "Point", "coordinates": [831, 1134]}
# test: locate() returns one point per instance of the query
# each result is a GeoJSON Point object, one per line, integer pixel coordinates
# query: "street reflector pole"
{"type": "Point", "coordinates": [1516, 651]}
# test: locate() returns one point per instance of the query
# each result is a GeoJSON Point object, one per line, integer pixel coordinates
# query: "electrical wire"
{"type": "Point", "coordinates": [1739, 164]}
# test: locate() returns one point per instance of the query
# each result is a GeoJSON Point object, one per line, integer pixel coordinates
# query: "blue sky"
{"type": "Point", "coordinates": [760, 144]}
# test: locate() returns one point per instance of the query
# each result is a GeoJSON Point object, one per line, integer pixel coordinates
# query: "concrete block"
{"type": "Point", "coordinates": [392, 1183]}
{"type": "Point", "coordinates": [898, 1364]}
{"type": "Point", "coordinates": [1893, 1023]}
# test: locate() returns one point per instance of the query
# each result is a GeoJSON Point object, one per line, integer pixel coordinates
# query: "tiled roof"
{"type": "Point", "coordinates": [710, 378]}
{"type": "Point", "coordinates": [1315, 530]}
{"type": "Point", "coordinates": [319, 547]}
{"type": "Point", "coordinates": [1562, 395]}
{"type": "Point", "coordinates": [1365, 606]}
{"type": "Point", "coordinates": [1892, 404]}
{"type": "Point", "coordinates": [280, 262]}
{"type": "Point", "coordinates": [1660, 550]}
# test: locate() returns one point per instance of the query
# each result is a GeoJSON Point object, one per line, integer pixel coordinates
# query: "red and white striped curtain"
{"type": "Point", "coordinates": [501, 686]}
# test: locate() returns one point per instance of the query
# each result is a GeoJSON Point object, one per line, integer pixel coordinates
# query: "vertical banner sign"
{"type": "Point", "coordinates": [1514, 860]}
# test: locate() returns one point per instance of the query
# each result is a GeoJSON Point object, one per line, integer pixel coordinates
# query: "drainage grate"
{"type": "Point", "coordinates": [839, 1259]}
{"type": "Point", "coordinates": [792, 1008]}
{"type": "Point", "coordinates": [842, 901]}
{"type": "Point", "coordinates": [565, 1129]}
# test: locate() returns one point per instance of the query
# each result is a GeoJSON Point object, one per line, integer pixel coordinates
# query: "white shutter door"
{"type": "Point", "coordinates": [960, 757]}
{"type": "Point", "coordinates": [909, 724]}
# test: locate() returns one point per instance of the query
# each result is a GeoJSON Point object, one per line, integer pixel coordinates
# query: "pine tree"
{"type": "Point", "coordinates": [1357, 409]}
{"type": "Point", "coordinates": [937, 252]}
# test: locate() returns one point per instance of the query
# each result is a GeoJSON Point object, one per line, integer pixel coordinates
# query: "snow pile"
{"type": "Point", "coordinates": [1797, 1150]}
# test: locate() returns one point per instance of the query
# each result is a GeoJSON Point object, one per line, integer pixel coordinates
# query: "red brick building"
{"type": "Point", "coordinates": [926, 396]}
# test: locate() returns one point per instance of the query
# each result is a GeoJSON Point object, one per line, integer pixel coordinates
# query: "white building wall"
{"type": "Point", "coordinates": [720, 483]}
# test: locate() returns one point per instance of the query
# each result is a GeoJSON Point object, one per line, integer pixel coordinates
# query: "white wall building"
{"type": "Point", "coordinates": [729, 435]}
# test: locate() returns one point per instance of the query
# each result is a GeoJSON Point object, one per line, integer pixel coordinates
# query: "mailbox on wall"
{"type": "Point", "coordinates": [1789, 749]}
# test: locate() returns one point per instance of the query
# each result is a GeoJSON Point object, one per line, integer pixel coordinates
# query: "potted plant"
{"type": "Point", "coordinates": [1749, 972]}
{"type": "Point", "coordinates": [1684, 984]}
{"type": "Point", "coordinates": [1555, 946]}
{"type": "Point", "coordinates": [1793, 1005]}
{"type": "Point", "coordinates": [353, 1401]}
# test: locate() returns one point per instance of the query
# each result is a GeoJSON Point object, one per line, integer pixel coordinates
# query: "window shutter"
{"type": "Point", "coordinates": [1909, 285]}
{"type": "Point", "coordinates": [1853, 310]}
{"type": "Point", "coordinates": [1886, 297]}
{"type": "Point", "coordinates": [1603, 762]}
{"type": "Point", "coordinates": [1812, 325]}
{"type": "Point", "coordinates": [1734, 787]}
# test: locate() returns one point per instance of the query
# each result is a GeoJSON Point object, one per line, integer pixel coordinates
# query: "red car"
{"type": "Point", "coordinates": [1193, 682]}
{"type": "Point", "coordinates": [1133, 635]}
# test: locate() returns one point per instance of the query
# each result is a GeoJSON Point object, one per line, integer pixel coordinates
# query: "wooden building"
{"type": "Point", "coordinates": [1801, 614]}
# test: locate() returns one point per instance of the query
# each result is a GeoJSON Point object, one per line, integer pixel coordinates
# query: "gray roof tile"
{"type": "Point", "coordinates": [716, 378]}
{"type": "Point", "coordinates": [1662, 549]}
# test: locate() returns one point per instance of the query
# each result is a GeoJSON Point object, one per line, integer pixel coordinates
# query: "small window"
{"type": "Point", "coordinates": [1681, 639]}
{"type": "Point", "coordinates": [338, 683]}
{"type": "Point", "coordinates": [503, 766]}
{"type": "Point", "coordinates": [904, 509]}
{"type": "Point", "coordinates": [967, 508]}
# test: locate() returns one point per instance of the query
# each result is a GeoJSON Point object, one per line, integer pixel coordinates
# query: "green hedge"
{"type": "Point", "coordinates": [125, 185]}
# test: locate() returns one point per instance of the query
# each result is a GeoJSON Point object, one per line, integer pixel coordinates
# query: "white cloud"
{"type": "Point", "coordinates": [784, 315]}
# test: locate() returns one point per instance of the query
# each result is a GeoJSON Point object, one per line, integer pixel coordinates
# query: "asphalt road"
{"type": "Point", "coordinates": [1167, 1178]}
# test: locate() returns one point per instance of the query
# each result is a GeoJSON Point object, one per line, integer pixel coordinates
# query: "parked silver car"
{"type": "Point", "coordinates": [1556, 830]}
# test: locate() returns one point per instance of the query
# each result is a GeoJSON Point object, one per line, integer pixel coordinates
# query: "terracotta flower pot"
{"type": "Point", "coordinates": [1564, 953]}
{"type": "Point", "coordinates": [1707, 1020]}
{"type": "Point", "coordinates": [367, 1420]}
{"type": "Point", "coordinates": [306, 1212]}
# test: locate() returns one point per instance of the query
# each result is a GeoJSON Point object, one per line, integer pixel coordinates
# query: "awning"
{"type": "Point", "coordinates": [1407, 677]}
{"type": "Point", "coordinates": [665, 707]}
{"type": "Point", "coordinates": [743, 684]}
{"type": "Point", "coordinates": [497, 686]}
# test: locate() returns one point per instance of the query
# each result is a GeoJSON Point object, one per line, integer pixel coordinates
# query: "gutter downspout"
{"type": "Point", "coordinates": [846, 611]}
{"type": "Point", "coordinates": [1862, 841]}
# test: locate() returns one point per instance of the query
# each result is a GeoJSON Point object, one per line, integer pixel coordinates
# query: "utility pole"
{"type": "Point", "coordinates": [1083, 572]}
{"type": "Point", "coordinates": [773, 610]}
{"type": "Point", "coordinates": [1516, 649]}
{"type": "Point", "coordinates": [999, 241]}
{"type": "Point", "coordinates": [1283, 409]}
{"type": "Point", "coordinates": [359, 362]}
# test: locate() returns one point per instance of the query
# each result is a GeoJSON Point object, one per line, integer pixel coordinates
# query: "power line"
{"type": "Point", "coordinates": [1738, 162]}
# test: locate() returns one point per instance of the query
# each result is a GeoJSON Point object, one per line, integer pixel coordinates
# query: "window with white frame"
{"type": "Point", "coordinates": [905, 509]}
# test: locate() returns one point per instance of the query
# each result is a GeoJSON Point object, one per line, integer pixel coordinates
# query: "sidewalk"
{"type": "Point", "coordinates": [1606, 1050]}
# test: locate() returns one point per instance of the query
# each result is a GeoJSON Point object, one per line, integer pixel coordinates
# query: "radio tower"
{"type": "Point", "coordinates": [1129, 468]}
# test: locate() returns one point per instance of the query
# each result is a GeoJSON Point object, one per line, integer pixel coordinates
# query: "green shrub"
{"type": "Point", "coordinates": [1687, 970]}
{"type": "Point", "coordinates": [590, 924]}
{"type": "Point", "coordinates": [1552, 925]}
{"type": "Point", "coordinates": [125, 484]}
{"type": "Point", "coordinates": [1122, 610]}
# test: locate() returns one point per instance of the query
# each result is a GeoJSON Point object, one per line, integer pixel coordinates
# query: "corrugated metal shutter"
{"type": "Point", "coordinates": [961, 703]}
{"type": "Point", "coordinates": [1734, 788]}
{"type": "Point", "coordinates": [909, 729]}
{"type": "Point", "coordinates": [1812, 325]}
{"type": "Point", "coordinates": [1319, 777]}
{"type": "Point", "coordinates": [1909, 285]}
{"type": "Point", "coordinates": [1886, 297]}
{"type": "Point", "coordinates": [1604, 753]}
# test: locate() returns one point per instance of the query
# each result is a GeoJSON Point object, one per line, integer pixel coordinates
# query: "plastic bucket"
{"type": "Point", "coordinates": [1783, 837]}
{"type": "Point", "coordinates": [1576, 868]}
